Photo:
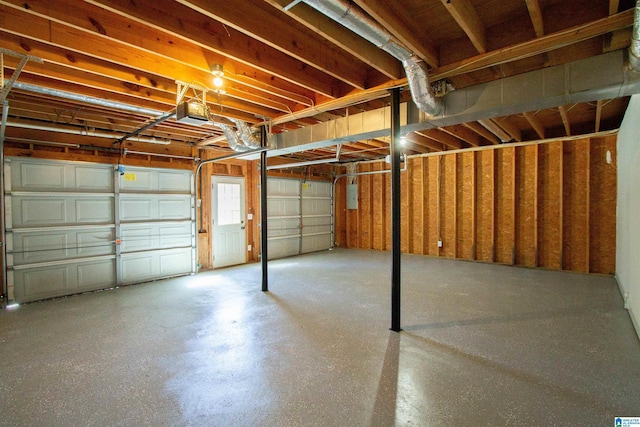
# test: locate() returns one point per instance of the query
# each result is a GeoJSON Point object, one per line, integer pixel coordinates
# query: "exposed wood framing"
{"type": "Point", "coordinates": [548, 205]}
{"type": "Point", "coordinates": [466, 16]}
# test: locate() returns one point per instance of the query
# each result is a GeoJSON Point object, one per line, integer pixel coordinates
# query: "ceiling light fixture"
{"type": "Point", "coordinates": [218, 73]}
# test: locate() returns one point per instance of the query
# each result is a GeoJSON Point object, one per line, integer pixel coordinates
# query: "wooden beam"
{"type": "Point", "coordinates": [588, 207]}
{"type": "Point", "coordinates": [535, 12]}
{"type": "Point", "coordinates": [536, 203]}
{"type": "Point", "coordinates": [564, 113]}
{"type": "Point", "coordinates": [496, 130]}
{"type": "Point", "coordinates": [464, 134]}
{"type": "Point", "coordinates": [613, 6]}
{"type": "Point", "coordinates": [474, 204]}
{"type": "Point", "coordinates": [343, 38]}
{"type": "Point", "coordinates": [482, 131]}
{"type": "Point", "coordinates": [250, 20]}
{"type": "Point", "coordinates": [519, 51]}
{"type": "Point", "coordinates": [442, 137]}
{"type": "Point", "coordinates": [382, 11]}
{"type": "Point", "coordinates": [535, 124]}
{"type": "Point", "coordinates": [494, 200]}
{"type": "Point", "coordinates": [509, 127]}
{"type": "Point", "coordinates": [599, 105]}
{"type": "Point", "coordinates": [418, 139]}
{"type": "Point", "coordinates": [537, 46]}
{"type": "Point", "coordinates": [150, 30]}
{"type": "Point", "coordinates": [467, 18]}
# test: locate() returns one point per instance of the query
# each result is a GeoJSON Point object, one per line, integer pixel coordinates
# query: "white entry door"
{"type": "Point", "coordinates": [229, 235]}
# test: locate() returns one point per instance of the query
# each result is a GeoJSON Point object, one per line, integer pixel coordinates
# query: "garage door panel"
{"type": "Point", "coordinates": [283, 207]}
{"type": "Point", "coordinates": [316, 207]}
{"type": "Point", "coordinates": [94, 179]}
{"type": "Point", "coordinates": [47, 281]}
{"type": "Point", "coordinates": [43, 245]}
{"type": "Point", "coordinates": [144, 237]}
{"type": "Point", "coordinates": [42, 175]}
{"type": "Point", "coordinates": [41, 210]}
{"type": "Point", "coordinates": [94, 210]}
{"type": "Point", "coordinates": [316, 189]}
{"type": "Point", "coordinates": [314, 225]}
{"type": "Point", "coordinates": [144, 207]}
{"type": "Point", "coordinates": [63, 223]}
{"type": "Point", "coordinates": [141, 266]}
{"type": "Point", "coordinates": [280, 248]}
{"type": "Point", "coordinates": [316, 243]}
{"type": "Point", "coordinates": [278, 227]}
{"type": "Point", "coordinates": [299, 216]}
{"type": "Point", "coordinates": [156, 181]}
{"type": "Point", "coordinates": [174, 182]}
{"type": "Point", "coordinates": [283, 187]}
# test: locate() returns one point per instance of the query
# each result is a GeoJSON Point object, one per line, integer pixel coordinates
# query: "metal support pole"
{"type": "Point", "coordinates": [3, 127]}
{"type": "Point", "coordinates": [395, 211]}
{"type": "Point", "coordinates": [263, 212]}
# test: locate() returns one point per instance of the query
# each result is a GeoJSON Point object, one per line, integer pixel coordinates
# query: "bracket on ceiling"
{"type": "Point", "coordinates": [199, 92]}
{"type": "Point", "coordinates": [5, 88]}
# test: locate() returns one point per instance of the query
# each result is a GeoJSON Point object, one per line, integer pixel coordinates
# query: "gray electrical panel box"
{"type": "Point", "coordinates": [352, 196]}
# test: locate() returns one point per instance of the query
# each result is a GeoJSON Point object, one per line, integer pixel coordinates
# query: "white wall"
{"type": "Point", "coordinates": [628, 222]}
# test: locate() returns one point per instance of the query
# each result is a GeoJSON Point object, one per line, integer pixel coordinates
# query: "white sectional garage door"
{"type": "Point", "coordinates": [299, 216]}
{"type": "Point", "coordinates": [76, 227]}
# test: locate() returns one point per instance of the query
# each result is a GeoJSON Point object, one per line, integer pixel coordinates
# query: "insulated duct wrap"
{"type": "Point", "coordinates": [232, 138]}
{"type": "Point", "coordinates": [344, 12]}
{"type": "Point", "coordinates": [246, 135]}
{"type": "Point", "coordinates": [421, 90]}
{"type": "Point", "coordinates": [634, 49]}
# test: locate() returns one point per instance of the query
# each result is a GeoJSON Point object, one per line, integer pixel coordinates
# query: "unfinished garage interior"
{"type": "Point", "coordinates": [320, 212]}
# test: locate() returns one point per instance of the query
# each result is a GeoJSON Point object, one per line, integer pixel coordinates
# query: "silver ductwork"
{"type": "Point", "coordinates": [233, 139]}
{"type": "Point", "coordinates": [634, 49]}
{"type": "Point", "coordinates": [86, 99]}
{"type": "Point", "coordinates": [344, 12]}
{"type": "Point", "coordinates": [246, 135]}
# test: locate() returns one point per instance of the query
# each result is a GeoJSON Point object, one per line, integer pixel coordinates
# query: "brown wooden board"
{"type": "Point", "coordinates": [377, 208]}
{"type": "Point", "coordinates": [550, 205]}
{"type": "Point", "coordinates": [602, 209]}
{"type": "Point", "coordinates": [405, 211]}
{"type": "Point", "coordinates": [448, 207]}
{"type": "Point", "coordinates": [504, 205]}
{"type": "Point", "coordinates": [364, 207]}
{"type": "Point", "coordinates": [340, 200]}
{"type": "Point", "coordinates": [575, 207]}
{"type": "Point", "coordinates": [431, 205]}
{"type": "Point", "coordinates": [485, 192]}
{"type": "Point", "coordinates": [526, 235]}
{"type": "Point", "coordinates": [465, 205]}
{"type": "Point", "coordinates": [416, 222]}
{"type": "Point", "coordinates": [386, 208]}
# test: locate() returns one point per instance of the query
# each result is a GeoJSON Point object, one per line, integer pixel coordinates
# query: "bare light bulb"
{"type": "Point", "coordinates": [217, 81]}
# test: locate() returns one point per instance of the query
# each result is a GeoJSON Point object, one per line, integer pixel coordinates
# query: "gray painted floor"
{"type": "Point", "coordinates": [482, 345]}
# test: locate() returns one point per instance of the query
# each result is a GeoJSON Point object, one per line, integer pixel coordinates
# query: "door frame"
{"type": "Point", "coordinates": [215, 180]}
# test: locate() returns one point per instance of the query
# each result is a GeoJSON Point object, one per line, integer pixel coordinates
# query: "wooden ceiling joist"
{"type": "Point", "coordinates": [535, 12]}
{"type": "Point", "coordinates": [277, 32]}
{"type": "Point", "coordinates": [382, 11]}
{"type": "Point", "coordinates": [466, 16]}
{"type": "Point", "coordinates": [535, 123]}
{"type": "Point", "coordinates": [564, 113]}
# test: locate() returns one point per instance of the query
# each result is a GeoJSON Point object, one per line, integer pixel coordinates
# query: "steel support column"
{"type": "Point", "coordinates": [263, 212]}
{"type": "Point", "coordinates": [395, 210]}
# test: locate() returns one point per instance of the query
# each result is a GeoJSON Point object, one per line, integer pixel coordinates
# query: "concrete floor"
{"type": "Point", "coordinates": [482, 345]}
